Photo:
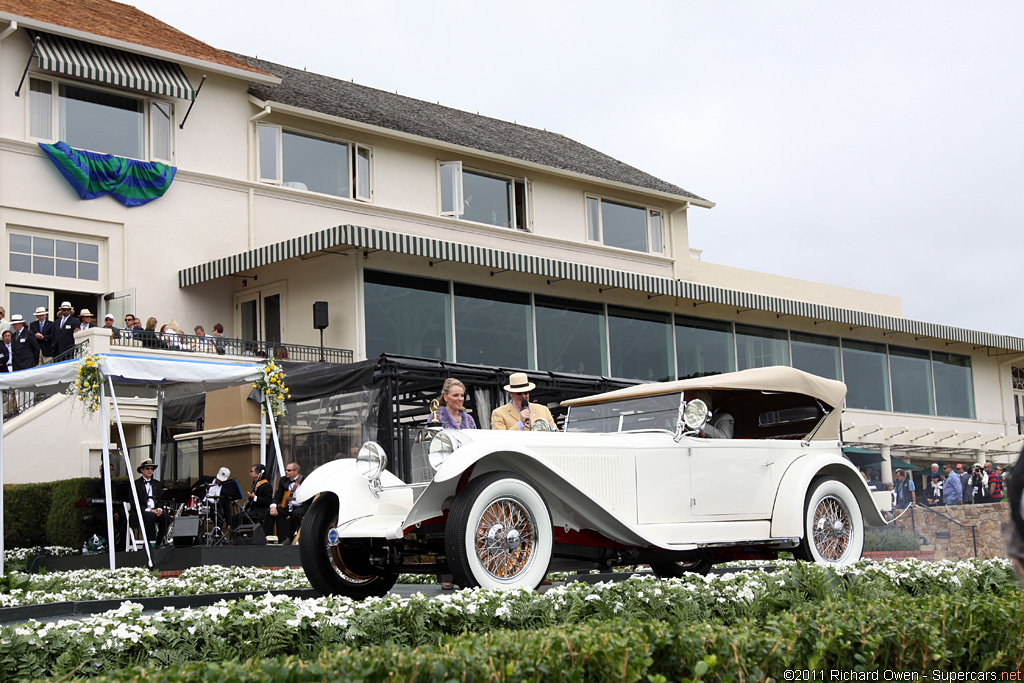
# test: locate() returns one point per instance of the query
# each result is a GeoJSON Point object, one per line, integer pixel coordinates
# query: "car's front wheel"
{"type": "Point", "coordinates": [833, 524]}
{"type": "Point", "coordinates": [342, 569]}
{"type": "Point", "coordinates": [499, 534]}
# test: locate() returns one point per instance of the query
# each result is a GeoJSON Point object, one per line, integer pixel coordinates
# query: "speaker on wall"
{"type": "Point", "coordinates": [320, 321]}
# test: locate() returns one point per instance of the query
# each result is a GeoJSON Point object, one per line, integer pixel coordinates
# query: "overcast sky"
{"type": "Point", "coordinates": [876, 144]}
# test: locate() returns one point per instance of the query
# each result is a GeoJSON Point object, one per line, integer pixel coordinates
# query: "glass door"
{"type": "Point", "coordinates": [26, 301]}
{"type": "Point", "coordinates": [118, 304]}
{"type": "Point", "coordinates": [258, 317]}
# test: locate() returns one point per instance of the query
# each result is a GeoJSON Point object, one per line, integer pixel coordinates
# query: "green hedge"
{"type": "Point", "coordinates": [948, 632]}
{"type": "Point", "coordinates": [889, 539]}
{"type": "Point", "coordinates": [64, 525]}
{"type": "Point", "coordinates": [26, 507]}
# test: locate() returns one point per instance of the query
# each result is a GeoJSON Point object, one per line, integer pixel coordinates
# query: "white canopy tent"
{"type": "Point", "coordinates": [138, 377]}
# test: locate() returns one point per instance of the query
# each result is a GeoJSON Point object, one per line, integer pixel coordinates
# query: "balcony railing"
{"type": "Point", "coordinates": [188, 343]}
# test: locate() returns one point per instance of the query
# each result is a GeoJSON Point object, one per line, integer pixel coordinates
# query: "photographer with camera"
{"type": "Point", "coordinates": [978, 485]}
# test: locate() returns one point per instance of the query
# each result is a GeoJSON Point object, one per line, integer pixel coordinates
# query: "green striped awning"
{"type": "Point", "coordinates": [401, 243]}
{"type": "Point", "coordinates": [113, 67]}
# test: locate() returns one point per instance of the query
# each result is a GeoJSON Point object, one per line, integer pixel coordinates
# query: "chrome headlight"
{"type": "Point", "coordinates": [695, 414]}
{"type": "Point", "coordinates": [441, 447]}
{"type": "Point", "coordinates": [541, 425]}
{"type": "Point", "coordinates": [371, 460]}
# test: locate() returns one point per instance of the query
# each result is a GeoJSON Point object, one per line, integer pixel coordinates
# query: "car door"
{"type": "Point", "coordinates": [730, 478]}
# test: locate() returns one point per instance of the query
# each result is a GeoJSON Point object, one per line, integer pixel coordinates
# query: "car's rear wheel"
{"type": "Point", "coordinates": [342, 569]}
{"type": "Point", "coordinates": [673, 570]}
{"type": "Point", "coordinates": [499, 534]}
{"type": "Point", "coordinates": [833, 524]}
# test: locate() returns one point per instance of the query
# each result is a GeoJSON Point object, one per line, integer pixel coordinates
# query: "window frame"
{"type": "Point", "coordinates": [653, 235]}
{"type": "Point", "coordinates": [148, 104]}
{"type": "Point", "coordinates": [55, 281]}
{"type": "Point", "coordinates": [457, 195]}
{"type": "Point", "coordinates": [352, 154]}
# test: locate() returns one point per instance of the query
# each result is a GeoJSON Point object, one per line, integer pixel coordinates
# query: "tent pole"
{"type": "Point", "coordinates": [263, 438]}
{"type": "Point", "coordinates": [273, 433]}
{"type": "Point", "coordinates": [159, 425]}
{"type": "Point", "coordinates": [135, 491]}
{"type": "Point", "coordinates": [105, 475]}
{"type": "Point", "coordinates": [3, 399]}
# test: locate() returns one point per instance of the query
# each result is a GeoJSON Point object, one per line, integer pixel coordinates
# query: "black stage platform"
{"type": "Point", "coordinates": [175, 559]}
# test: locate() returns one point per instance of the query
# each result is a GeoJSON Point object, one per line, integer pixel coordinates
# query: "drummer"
{"type": "Point", "coordinates": [218, 492]}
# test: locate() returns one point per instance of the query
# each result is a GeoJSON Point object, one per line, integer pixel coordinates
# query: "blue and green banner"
{"type": "Point", "coordinates": [131, 182]}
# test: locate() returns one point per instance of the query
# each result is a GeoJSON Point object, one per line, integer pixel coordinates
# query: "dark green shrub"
{"type": "Point", "coordinates": [889, 538]}
{"type": "Point", "coordinates": [24, 508]}
{"type": "Point", "coordinates": [64, 525]}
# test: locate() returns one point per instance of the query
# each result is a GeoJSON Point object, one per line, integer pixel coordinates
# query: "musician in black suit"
{"type": "Point", "coordinates": [43, 329]}
{"type": "Point", "coordinates": [67, 323]}
{"type": "Point", "coordinates": [23, 345]}
{"type": "Point", "coordinates": [283, 509]}
{"type": "Point", "coordinates": [150, 491]}
{"type": "Point", "coordinates": [258, 499]}
{"type": "Point", "coordinates": [218, 492]}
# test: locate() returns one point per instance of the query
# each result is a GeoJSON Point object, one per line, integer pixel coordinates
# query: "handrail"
{"type": "Point", "coordinates": [973, 528]}
{"type": "Point", "coordinates": [191, 343]}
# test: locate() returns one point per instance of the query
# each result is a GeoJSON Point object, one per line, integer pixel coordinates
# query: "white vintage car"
{"type": "Point", "coordinates": [631, 480]}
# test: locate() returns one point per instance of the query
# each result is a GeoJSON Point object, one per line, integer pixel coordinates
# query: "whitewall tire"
{"type": "Point", "coordinates": [833, 524]}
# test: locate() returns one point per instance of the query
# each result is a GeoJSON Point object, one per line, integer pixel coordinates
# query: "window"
{"type": "Point", "coordinates": [954, 385]}
{"type": "Point", "coordinates": [624, 226]}
{"type": "Point", "coordinates": [911, 373]}
{"type": "Point", "coordinates": [866, 371]}
{"type": "Point", "coordinates": [816, 354]}
{"type": "Point", "coordinates": [407, 315]}
{"type": "Point", "coordinates": [571, 336]}
{"type": "Point", "coordinates": [483, 197]}
{"type": "Point", "coordinates": [493, 327]}
{"type": "Point", "coordinates": [100, 120]}
{"type": "Point", "coordinates": [759, 347]}
{"type": "Point", "coordinates": [54, 257]}
{"type": "Point", "coordinates": [307, 162]}
{"type": "Point", "coordinates": [640, 344]}
{"type": "Point", "coordinates": [704, 347]}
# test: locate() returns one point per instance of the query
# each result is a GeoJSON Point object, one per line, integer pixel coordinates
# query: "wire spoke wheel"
{"type": "Point", "coordinates": [505, 538]}
{"type": "Point", "coordinates": [832, 528]}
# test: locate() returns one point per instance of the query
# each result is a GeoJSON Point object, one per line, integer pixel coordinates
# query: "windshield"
{"type": "Point", "coordinates": [647, 412]}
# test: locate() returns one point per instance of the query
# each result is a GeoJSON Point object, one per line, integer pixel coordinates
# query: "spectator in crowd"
{"type": "Point", "coordinates": [43, 330]}
{"type": "Point", "coordinates": [108, 324]}
{"type": "Point", "coordinates": [67, 323]}
{"type": "Point", "coordinates": [903, 488]}
{"type": "Point", "coordinates": [965, 481]}
{"type": "Point", "coordinates": [129, 323]}
{"type": "Point", "coordinates": [281, 352]}
{"type": "Point", "coordinates": [218, 342]}
{"type": "Point", "coordinates": [4, 325]}
{"type": "Point", "coordinates": [149, 336]}
{"type": "Point", "coordinates": [953, 489]}
{"type": "Point", "coordinates": [935, 485]}
{"type": "Point", "coordinates": [978, 484]}
{"type": "Point", "coordinates": [24, 345]}
{"type": "Point", "coordinates": [86, 319]}
{"type": "Point", "coordinates": [995, 484]}
{"type": "Point", "coordinates": [874, 481]}
{"type": "Point", "coordinates": [202, 343]}
{"type": "Point", "coordinates": [171, 335]}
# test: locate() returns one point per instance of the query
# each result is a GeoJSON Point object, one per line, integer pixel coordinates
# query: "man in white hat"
{"type": "Point", "coordinates": [519, 413]}
{"type": "Point", "coordinates": [220, 491]}
{"type": "Point", "coordinates": [67, 323]}
{"type": "Point", "coordinates": [23, 345]}
{"type": "Point", "coordinates": [43, 329]}
{"type": "Point", "coordinates": [86, 319]}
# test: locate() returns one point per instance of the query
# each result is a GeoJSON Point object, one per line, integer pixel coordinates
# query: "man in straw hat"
{"type": "Point", "coordinates": [23, 345]}
{"type": "Point", "coordinates": [150, 490]}
{"type": "Point", "coordinates": [43, 329]}
{"type": "Point", "coordinates": [67, 323]}
{"type": "Point", "coordinates": [86, 319]}
{"type": "Point", "coordinates": [519, 413]}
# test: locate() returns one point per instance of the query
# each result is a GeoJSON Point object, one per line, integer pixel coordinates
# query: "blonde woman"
{"type": "Point", "coordinates": [452, 413]}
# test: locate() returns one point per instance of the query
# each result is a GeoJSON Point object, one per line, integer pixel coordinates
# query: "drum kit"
{"type": "Point", "coordinates": [200, 519]}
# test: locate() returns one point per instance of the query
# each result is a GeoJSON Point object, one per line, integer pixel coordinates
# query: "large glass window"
{"type": "Point", "coordinates": [100, 121]}
{"type": "Point", "coordinates": [703, 347]}
{"type": "Point", "coordinates": [407, 315]}
{"type": "Point", "coordinates": [482, 197]}
{"type": "Point", "coordinates": [866, 372]}
{"type": "Point", "coordinates": [307, 162]}
{"type": "Point", "coordinates": [570, 336]}
{"type": "Point", "coordinates": [56, 257]}
{"type": "Point", "coordinates": [493, 327]}
{"type": "Point", "coordinates": [954, 385]}
{"type": "Point", "coordinates": [640, 344]}
{"type": "Point", "coordinates": [624, 226]}
{"type": "Point", "coordinates": [816, 354]}
{"type": "Point", "coordinates": [758, 347]}
{"type": "Point", "coordinates": [911, 373]}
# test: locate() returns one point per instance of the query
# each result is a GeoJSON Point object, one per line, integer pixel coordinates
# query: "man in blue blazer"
{"type": "Point", "coordinates": [67, 323]}
{"type": "Point", "coordinates": [44, 330]}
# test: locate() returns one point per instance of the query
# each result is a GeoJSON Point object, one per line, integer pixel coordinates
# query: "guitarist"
{"type": "Point", "coordinates": [285, 511]}
{"type": "Point", "coordinates": [257, 500]}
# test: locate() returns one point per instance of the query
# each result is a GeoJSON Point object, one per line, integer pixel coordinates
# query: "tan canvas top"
{"type": "Point", "coordinates": [774, 378]}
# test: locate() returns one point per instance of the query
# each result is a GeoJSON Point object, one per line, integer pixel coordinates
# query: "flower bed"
{"type": "Point", "coordinates": [816, 611]}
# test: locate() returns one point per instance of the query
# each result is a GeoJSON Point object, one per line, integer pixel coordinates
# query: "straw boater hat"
{"type": "Point", "coordinates": [519, 383]}
{"type": "Point", "coordinates": [145, 463]}
{"type": "Point", "coordinates": [66, 304]}
{"type": "Point", "coordinates": [41, 310]}
{"type": "Point", "coordinates": [86, 313]}
{"type": "Point", "coordinates": [17, 318]}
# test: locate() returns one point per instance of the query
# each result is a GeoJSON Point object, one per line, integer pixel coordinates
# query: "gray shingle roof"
{"type": "Point", "coordinates": [348, 100]}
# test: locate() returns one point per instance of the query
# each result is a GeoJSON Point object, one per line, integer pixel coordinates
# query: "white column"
{"type": "Point", "coordinates": [886, 464]}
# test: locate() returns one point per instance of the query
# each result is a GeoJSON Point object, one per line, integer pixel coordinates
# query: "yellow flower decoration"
{"type": "Point", "coordinates": [87, 385]}
{"type": "Point", "coordinates": [271, 383]}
